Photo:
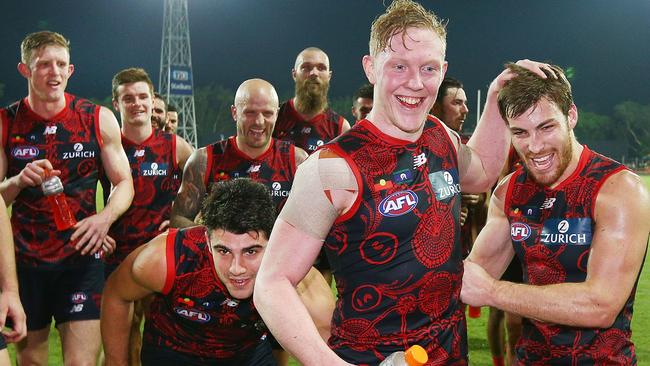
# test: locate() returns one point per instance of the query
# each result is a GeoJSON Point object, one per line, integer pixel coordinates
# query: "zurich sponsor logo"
{"type": "Point", "coordinates": [445, 184]}
{"type": "Point", "coordinates": [193, 314]}
{"type": "Point", "coordinates": [573, 231]}
{"type": "Point", "coordinates": [398, 203]}
{"type": "Point", "coordinates": [277, 191]}
{"type": "Point", "coordinates": [25, 152]}
{"type": "Point", "coordinates": [519, 231]}
{"type": "Point", "coordinates": [153, 169]}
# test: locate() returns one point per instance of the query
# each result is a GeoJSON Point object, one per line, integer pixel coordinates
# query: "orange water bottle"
{"type": "Point", "coordinates": [53, 190]}
{"type": "Point", "coordinates": [414, 356]}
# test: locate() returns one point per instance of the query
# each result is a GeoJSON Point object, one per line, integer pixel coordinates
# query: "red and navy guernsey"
{"type": "Point", "coordinates": [275, 168]}
{"type": "Point", "coordinates": [552, 231]}
{"type": "Point", "coordinates": [156, 178]}
{"type": "Point", "coordinates": [307, 135]}
{"type": "Point", "coordinates": [396, 254]}
{"type": "Point", "coordinates": [71, 141]}
{"type": "Point", "coordinates": [194, 315]}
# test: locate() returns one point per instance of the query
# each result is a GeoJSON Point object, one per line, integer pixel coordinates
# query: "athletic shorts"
{"type": "Point", "coordinates": [3, 344]}
{"type": "Point", "coordinates": [69, 294]}
{"type": "Point", "coordinates": [262, 355]}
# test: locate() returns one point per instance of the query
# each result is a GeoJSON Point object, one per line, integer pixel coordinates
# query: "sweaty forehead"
{"type": "Point", "coordinates": [422, 40]}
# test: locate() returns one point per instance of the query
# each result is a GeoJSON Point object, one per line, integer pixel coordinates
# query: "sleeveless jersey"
{"type": "Point", "coordinates": [71, 141]}
{"type": "Point", "coordinates": [551, 232]}
{"type": "Point", "coordinates": [396, 254]}
{"type": "Point", "coordinates": [307, 135]}
{"type": "Point", "coordinates": [156, 176]}
{"type": "Point", "coordinates": [275, 168]}
{"type": "Point", "coordinates": [194, 314]}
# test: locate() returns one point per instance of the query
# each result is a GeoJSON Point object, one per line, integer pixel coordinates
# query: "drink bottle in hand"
{"type": "Point", "coordinates": [414, 356]}
{"type": "Point", "coordinates": [53, 190]}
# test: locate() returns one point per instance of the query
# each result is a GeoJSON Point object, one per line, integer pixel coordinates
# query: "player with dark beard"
{"type": "Point", "coordinates": [306, 120]}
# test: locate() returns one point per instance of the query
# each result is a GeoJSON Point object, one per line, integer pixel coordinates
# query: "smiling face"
{"type": "Point", "coordinates": [134, 103]}
{"type": "Point", "coordinates": [158, 114]}
{"type": "Point", "coordinates": [406, 76]}
{"type": "Point", "coordinates": [237, 258]}
{"type": "Point", "coordinates": [543, 138]}
{"type": "Point", "coordinates": [255, 111]}
{"type": "Point", "coordinates": [47, 73]}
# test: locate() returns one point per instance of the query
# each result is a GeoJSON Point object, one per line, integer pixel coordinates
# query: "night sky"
{"type": "Point", "coordinates": [607, 42]}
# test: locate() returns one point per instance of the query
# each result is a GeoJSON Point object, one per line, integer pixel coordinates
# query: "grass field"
{"type": "Point", "coordinates": [478, 348]}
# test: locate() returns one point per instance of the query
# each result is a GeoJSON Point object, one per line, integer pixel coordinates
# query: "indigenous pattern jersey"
{"type": "Point", "coordinates": [307, 135]}
{"type": "Point", "coordinates": [551, 231]}
{"type": "Point", "coordinates": [396, 254]}
{"type": "Point", "coordinates": [194, 314]}
{"type": "Point", "coordinates": [156, 178]}
{"type": "Point", "coordinates": [71, 141]}
{"type": "Point", "coordinates": [275, 168]}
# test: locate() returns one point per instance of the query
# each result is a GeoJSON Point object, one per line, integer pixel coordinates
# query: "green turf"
{"type": "Point", "coordinates": [478, 349]}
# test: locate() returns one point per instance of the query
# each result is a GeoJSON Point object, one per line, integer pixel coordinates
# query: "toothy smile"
{"type": "Point", "coordinates": [409, 101]}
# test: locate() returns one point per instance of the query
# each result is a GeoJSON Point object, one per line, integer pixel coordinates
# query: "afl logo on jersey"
{"type": "Point", "coordinates": [79, 297]}
{"type": "Point", "coordinates": [193, 315]}
{"type": "Point", "coordinates": [25, 152]}
{"type": "Point", "coordinates": [398, 203]}
{"type": "Point", "coordinates": [519, 231]}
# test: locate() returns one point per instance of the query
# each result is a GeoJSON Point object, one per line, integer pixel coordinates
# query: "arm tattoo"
{"type": "Point", "coordinates": [192, 192]}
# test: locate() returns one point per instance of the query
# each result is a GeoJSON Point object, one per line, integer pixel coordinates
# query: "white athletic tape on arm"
{"type": "Point", "coordinates": [308, 208]}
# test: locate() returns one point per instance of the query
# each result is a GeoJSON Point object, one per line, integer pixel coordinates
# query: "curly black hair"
{"type": "Point", "coordinates": [239, 206]}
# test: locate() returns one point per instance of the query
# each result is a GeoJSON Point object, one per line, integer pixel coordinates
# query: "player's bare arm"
{"type": "Point", "coordinates": [487, 149]}
{"type": "Point", "coordinates": [183, 152]}
{"type": "Point", "coordinates": [10, 305]}
{"type": "Point", "coordinates": [90, 232]}
{"type": "Point", "coordinates": [317, 296]}
{"type": "Point", "coordinates": [327, 183]}
{"type": "Point", "coordinates": [141, 274]}
{"type": "Point", "coordinates": [190, 196]}
{"type": "Point", "coordinates": [618, 247]}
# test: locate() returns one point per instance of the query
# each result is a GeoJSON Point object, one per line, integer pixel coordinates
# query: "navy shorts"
{"type": "Point", "coordinates": [3, 344]}
{"type": "Point", "coordinates": [262, 355]}
{"type": "Point", "coordinates": [67, 294]}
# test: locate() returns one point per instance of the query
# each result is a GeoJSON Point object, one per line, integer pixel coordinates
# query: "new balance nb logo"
{"type": "Point", "coordinates": [419, 160]}
{"type": "Point", "coordinates": [138, 153]}
{"type": "Point", "coordinates": [50, 130]}
{"type": "Point", "coordinates": [253, 169]}
{"type": "Point", "coordinates": [548, 203]}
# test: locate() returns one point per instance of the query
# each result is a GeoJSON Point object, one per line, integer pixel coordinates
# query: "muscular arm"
{"type": "Point", "coordinates": [317, 296]}
{"type": "Point", "coordinates": [298, 244]}
{"type": "Point", "coordinates": [493, 249]}
{"type": "Point", "coordinates": [183, 151]}
{"type": "Point", "coordinates": [10, 305]}
{"type": "Point", "coordinates": [141, 273]}
{"type": "Point", "coordinates": [481, 160]}
{"type": "Point", "coordinates": [190, 196]}
{"type": "Point", "coordinates": [619, 243]}
{"type": "Point", "coordinates": [91, 231]}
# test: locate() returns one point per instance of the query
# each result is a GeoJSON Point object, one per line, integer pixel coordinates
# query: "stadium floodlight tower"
{"type": "Point", "coordinates": [176, 82]}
